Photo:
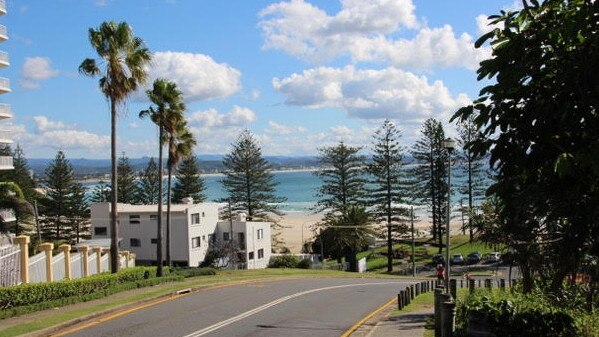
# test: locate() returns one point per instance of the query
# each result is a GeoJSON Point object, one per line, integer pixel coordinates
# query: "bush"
{"type": "Point", "coordinates": [305, 264]}
{"type": "Point", "coordinates": [284, 261]}
{"type": "Point", "coordinates": [27, 294]}
{"type": "Point", "coordinates": [193, 271]}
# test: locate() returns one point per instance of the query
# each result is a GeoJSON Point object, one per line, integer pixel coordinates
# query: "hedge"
{"type": "Point", "coordinates": [29, 294]}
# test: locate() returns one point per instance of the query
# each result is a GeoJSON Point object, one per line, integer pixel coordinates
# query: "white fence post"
{"type": "Point", "coordinates": [23, 242]}
{"type": "Point", "coordinates": [98, 251]}
{"type": "Point", "coordinates": [47, 248]}
{"type": "Point", "coordinates": [66, 249]}
{"type": "Point", "coordinates": [84, 259]}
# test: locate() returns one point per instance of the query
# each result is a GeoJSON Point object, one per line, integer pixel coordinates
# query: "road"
{"type": "Point", "coordinates": [297, 307]}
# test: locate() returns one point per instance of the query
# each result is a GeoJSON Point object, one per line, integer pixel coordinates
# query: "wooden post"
{"type": "Point", "coordinates": [84, 258]}
{"type": "Point", "coordinates": [47, 248]}
{"type": "Point", "coordinates": [23, 242]}
{"type": "Point", "coordinates": [400, 300]}
{"type": "Point", "coordinates": [66, 249]}
{"type": "Point", "coordinates": [98, 251]}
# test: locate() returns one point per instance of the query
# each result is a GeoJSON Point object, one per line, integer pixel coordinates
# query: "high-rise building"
{"type": "Point", "coordinates": [5, 111]}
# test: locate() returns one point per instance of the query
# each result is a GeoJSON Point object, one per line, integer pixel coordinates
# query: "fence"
{"type": "Point", "coordinates": [17, 267]}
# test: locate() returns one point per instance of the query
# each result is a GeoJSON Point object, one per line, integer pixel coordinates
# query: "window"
{"type": "Point", "coordinates": [260, 253]}
{"type": "Point", "coordinates": [195, 218]}
{"type": "Point", "coordinates": [251, 256]}
{"type": "Point", "coordinates": [133, 242]}
{"type": "Point", "coordinates": [203, 215]}
{"type": "Point", "coordinates": [203, 237]}
{"type": "Point", "coordinates": [226, 236]}
{"type": "Point", "coordinates": [153, 217]}
{"type": "Point", "coordinates": [133, 219]}
{"type": "Point", "coordinates": [154, 241]}
{"type": "Point", "coordinates": [241, 239]}
{"type": "Point", "coordinates": [195, 242]}
{"type": "Point", "coordinates": [100, 231]}
{"type": "Point", "coordinates": [260, 233]}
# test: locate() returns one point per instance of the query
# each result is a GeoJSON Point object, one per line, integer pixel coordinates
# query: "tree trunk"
{"type": "Point", "coordinates": [168, 217]}
{"type": "Point", "coordinates": [114, 230]}
{"type": "Point", "coordinates": [159, 260]}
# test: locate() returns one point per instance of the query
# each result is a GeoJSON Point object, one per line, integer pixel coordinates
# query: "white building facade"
{"type": "Point", "coordinates": [194, 228]}
{"type": "Point", "coordinates": [6, 162]}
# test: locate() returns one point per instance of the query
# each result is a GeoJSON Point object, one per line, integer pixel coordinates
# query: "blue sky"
{"type": "Point", "coordinates": [300, 74]}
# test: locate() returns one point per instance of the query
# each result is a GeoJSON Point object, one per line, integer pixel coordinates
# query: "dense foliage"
{"type": "Point", "coordinates": [189, 182]}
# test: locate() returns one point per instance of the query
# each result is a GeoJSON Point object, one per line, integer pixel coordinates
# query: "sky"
{"type": "Point", "coordinates": [300, 74]}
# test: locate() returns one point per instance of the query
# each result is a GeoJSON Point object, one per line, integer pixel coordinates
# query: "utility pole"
{"type": "Point", "coordinates": [37, 222]}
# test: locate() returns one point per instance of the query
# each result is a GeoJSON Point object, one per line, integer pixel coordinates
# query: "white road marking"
{"type": "Point", "coordinates": [249, 313]}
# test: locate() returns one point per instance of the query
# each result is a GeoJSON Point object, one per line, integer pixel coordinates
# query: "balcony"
{"type": "Point", "coordinates": [3, 33]}
{"type": "Point", "coordinates": [6, 163]}
{"type": "Point", "coordinates": [4, 85]}
{"type": "Point", "coordinates": [7, 215]}
{"type": "Point", "coordinates": [5, 137]}
{"type": "Point", "coordinates": [4, 59]}
{"type": "Point", "coordinates": [5, 111]}
{"type": "Point", "coordinates": [2, 7]}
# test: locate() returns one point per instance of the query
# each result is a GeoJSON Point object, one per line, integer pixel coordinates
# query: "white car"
{"type": "Point", "coordinates": [494, 257]}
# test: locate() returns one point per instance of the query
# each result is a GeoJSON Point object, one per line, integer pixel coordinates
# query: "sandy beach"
{"type": "Point", "coordinates": [299, 227]}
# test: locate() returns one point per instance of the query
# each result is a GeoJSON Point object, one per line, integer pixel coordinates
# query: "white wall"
{"type": "Point", "coordinates": [252, 243]}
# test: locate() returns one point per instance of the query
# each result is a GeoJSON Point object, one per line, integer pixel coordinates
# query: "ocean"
{"type": "Point", "coordinates": [299, 187]}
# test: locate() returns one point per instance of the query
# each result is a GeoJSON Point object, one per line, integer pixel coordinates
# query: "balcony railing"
{"type": "Point", "coordinates": [6, 163]}
{"type": "Point", "coordinates": [4, 59]}
{"type": "Point", "coordinates": [5, 111]}
{"type": "Point", "coordinates": [6, 136]}
{"type": "Point", "coordinates": [2, 7]}
{"type": "Point", "coordinates": [3, 33]}
{"type": "Point", "coordinates": [4, 85]}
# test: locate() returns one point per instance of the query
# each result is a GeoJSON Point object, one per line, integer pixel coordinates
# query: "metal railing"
{"type": "Point", "coordinates": [5, 110]}
{"type": "Point", "coordinates": [3, 6]}
{"type": "Point", "coordinates": [4, 57]}
{"type": "Point", "coordinates": [4, 82]}
{"type": "Point", "coordinates": [3, 32]}
{"type": "Point", "coordinates": [10, 265]}
{"type": "Point", "coordinates": [5, 136]}
{"type": "Point", "coordinates": [37, 268]}
{"type": "Point", "coordinates": [6, 162]}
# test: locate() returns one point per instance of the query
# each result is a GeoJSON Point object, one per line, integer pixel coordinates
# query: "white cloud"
{"type": "Point", "coordinates": [366, 31]}
{"type": "Point", "coordinates": [198, 76]}
{"type": "Point", "coordinates": [43, 124]}
{"type": "Point", "coordinates": [280, 129]}
{"type": "Point", "coordinates": [484, 25]}
{"type": "Point", "coordinates": [254, 94]}
{"type": "Point", "coordinates": [370, 94]}
{"type": "Point", "coordinates": [36, 69]}
{"type": "Point", "coordinates": [238, 116]}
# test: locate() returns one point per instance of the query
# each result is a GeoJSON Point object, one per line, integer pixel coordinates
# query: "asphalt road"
{"type": "Point", "coordinates": [299, 307]}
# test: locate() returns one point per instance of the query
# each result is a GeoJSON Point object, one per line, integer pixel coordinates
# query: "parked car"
{"type": "Point", "coordinates": [473, 258]}
{"type": "Point", "coordinates": [457, 259]}
{"type": "Point", "coordinates": [438, 259]}
{"type": "Point", "coordinates": [494, 257]}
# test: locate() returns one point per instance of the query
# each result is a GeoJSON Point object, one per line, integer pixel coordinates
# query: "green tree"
{"type": "Point", "coordinates": [180, 145]}
{"type": "Point", "coordinates": [189, 182]}
{"type": "Point", "coordinates": [127, 189]}
{"type": "Point", "coordinates": [167, 114]}
{"type": "Point", "coordinates": [429, 185]}
{"type": "Point", "coordinates": [125, 58]}
{"type": "Point", "coordinates": [473, 168]}
{"type": "Point", "coordinates": [100, 192]}
{"type": "Point", "coordinates": [539, 114]}
{"type": "Point", "coordinates": [249, 183]}
{"type": "Point", "coordinates": [149, 184]}
{"type": "Point", "coordinates": [79, 213]}
{"type": "Point", "coordinates": [343, 181]}
{"type": "Point", "coordinates": [388, 186]}
{"type": "Point", "coordinates": [58, 182]}
{"type": "Point", "coordinates": [12, 197]}
{"type": "Point", "coordinates": [22, 175]}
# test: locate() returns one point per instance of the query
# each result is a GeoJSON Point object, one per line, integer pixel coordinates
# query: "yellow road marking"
{"type": "Point", "coordinates": [369, 316]}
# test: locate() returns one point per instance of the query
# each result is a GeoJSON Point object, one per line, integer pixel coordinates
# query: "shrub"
{"type": "Point", "coordinates": [284, 261]}
{"type": "Point", "coordinates": [305, 264]}
{"type": "Point", "coordinates": [193, 271]}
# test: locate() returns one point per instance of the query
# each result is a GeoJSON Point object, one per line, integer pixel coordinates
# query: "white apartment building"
{"type": "Point", "coordinates": [194, 228]}
{"type": "Point", "coordinates": [5, 111]}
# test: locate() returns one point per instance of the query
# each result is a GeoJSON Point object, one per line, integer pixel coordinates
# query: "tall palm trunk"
{"type": "Point", "coordinates": [114, 230]}
{"type": "Point", "coordinates": [168, 215]}
{"type": "Point", "coordinates": [159, 271]}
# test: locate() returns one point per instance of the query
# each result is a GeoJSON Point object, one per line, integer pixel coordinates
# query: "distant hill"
{"type": "Point", "coordinates": [208, 164]}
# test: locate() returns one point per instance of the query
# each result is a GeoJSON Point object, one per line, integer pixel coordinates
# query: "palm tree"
{"type": "Point", "coordinates": [167, 114]}
{"type": "Point", "coordinates": [125, 57]}
{"type": "Point", "coordinates": [350, 230]}
{"type": "Point", "coordinates": [180, 146]}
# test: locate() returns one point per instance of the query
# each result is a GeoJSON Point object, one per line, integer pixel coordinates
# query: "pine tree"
{"type": "Point", "coordinates": [430, 175]}
{"type": "Point", "coordinates": [472, 167]}
{"type": "Point", "coordinates": [126, 185]}
{"type": "Point", "coordinates": [343, 182]}
{"type": "Point", "coordinates": [189, 182]}
{"type": "Point", "coordinates": [58, 183]}
{"type": "Point", "coordinates": [100, 193]}
{"type": "Point", "coordinates": [149, 184]}
{"type": "Point", "coordinates": [249, 184]}
{"type": "Point", "coordinates": [388, 187]}
{"type": "Point", "coordinates": [79, 213]}
{"type": "Point", "coordinates": [22, 175]}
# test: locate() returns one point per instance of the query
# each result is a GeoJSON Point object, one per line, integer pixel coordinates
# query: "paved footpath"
{"type": "Point", "coordinates": [406, 325]}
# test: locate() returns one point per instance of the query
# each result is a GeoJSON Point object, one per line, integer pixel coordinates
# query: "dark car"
{"type": "Point", "coordinates": [438, 259]}
{"type": "Point", "coordinates": [457, 259]}
{"type": "Point", "coordinates": [473, 258]}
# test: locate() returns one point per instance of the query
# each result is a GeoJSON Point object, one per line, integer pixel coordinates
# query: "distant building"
{"type": "Point", "coordinates": [194, 228]}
